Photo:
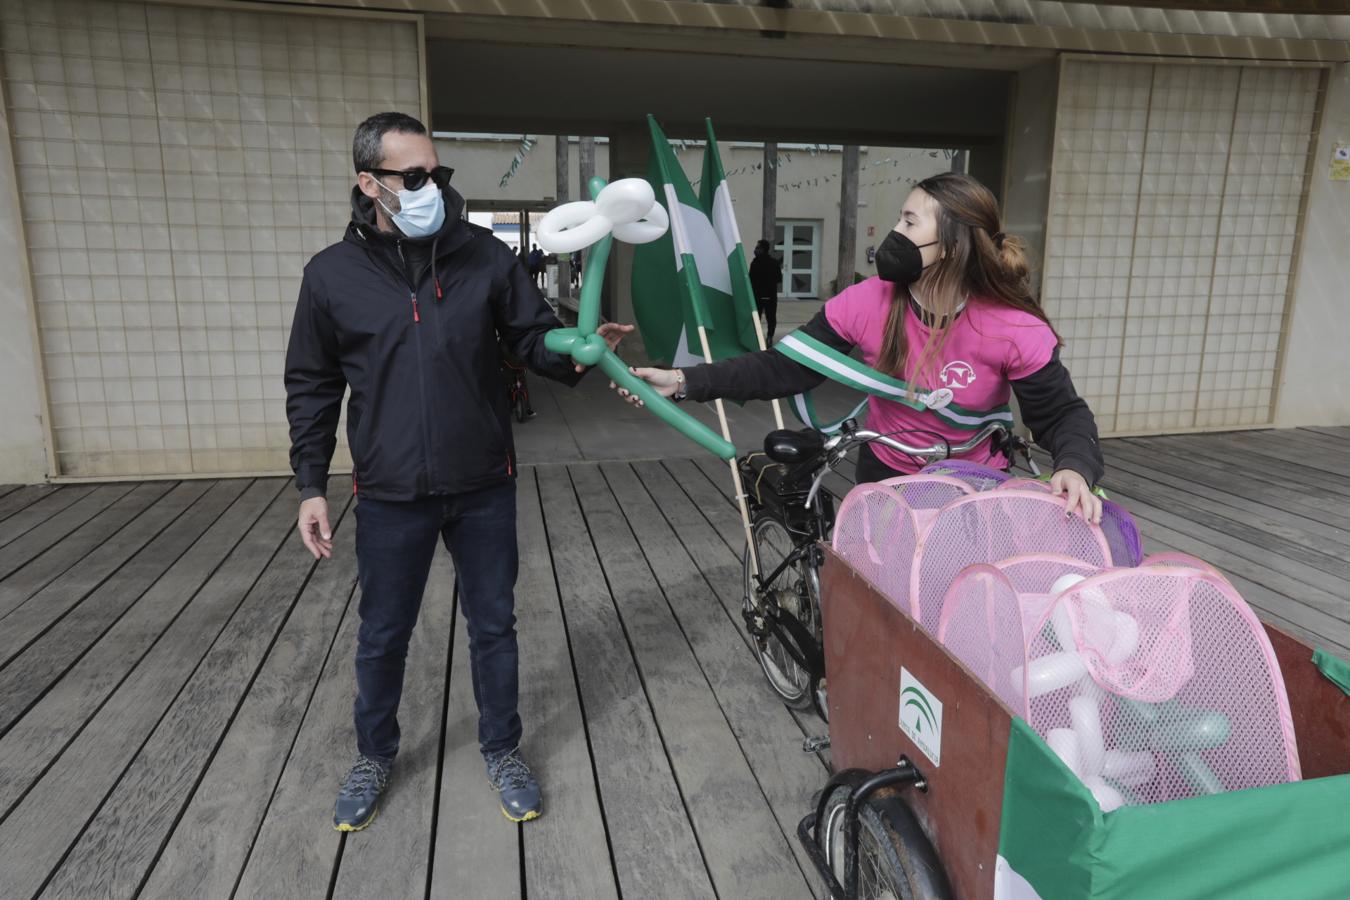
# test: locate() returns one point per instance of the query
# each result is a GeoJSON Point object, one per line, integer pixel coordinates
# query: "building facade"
{"type": "Point", "coordinates": [169, 167]}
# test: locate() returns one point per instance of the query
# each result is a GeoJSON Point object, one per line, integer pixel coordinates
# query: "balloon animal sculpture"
{"type": "Point", "coordinates": [627, 210]}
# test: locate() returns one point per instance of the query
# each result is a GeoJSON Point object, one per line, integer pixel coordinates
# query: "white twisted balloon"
{"type": "Point", "coordinates": [626, 208]}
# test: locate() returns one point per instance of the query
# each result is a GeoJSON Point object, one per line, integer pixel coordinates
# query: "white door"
{"type": "Point", "coordinates": [797, 244]}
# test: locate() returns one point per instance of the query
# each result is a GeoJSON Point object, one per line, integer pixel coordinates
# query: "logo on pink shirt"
{"type": "Point", "coordinates": [957, 374]}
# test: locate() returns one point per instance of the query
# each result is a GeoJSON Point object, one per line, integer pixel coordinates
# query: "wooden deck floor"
{"type": "Point", "coordinates": [176, 681]}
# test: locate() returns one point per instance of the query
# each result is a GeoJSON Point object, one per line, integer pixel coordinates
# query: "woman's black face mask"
{"type": "Point", "coordinates": [899, 259]}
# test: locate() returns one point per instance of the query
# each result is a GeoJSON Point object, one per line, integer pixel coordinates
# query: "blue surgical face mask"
{"type": "Point", "coordinates": [421, 212]}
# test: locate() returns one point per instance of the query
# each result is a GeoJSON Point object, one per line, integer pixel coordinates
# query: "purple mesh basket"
{"type": "Point", "coordinates": [979, 477]}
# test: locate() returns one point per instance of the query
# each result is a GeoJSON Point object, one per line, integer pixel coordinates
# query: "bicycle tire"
{"type": "Point", "coordinates": [896, 859]}
{"type": "Point", "coordinates": [518, 406]}
{"type": "Point", "coordinates": [793, 685]}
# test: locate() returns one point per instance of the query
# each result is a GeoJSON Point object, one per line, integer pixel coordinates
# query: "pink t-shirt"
{"type": "Point", "coordinates": [989, 345]}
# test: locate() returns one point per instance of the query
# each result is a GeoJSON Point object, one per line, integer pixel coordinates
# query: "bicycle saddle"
{"type": "Point", "coordinates": [792, 447]}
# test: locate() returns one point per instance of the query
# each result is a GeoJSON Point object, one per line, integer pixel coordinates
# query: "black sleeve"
{"type": "Point", "coordinates": [1060, 420]}
{"type": "Point", "coordinates": [523, 317]}
{"type": "Point", "coordinates": [314, 389]}
{"type": "Point", "coordinates": [765, 375]}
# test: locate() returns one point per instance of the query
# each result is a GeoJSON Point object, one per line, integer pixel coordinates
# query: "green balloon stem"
{"type": "Point", "coordinates": [1198, 773]}
{"type": "Point", "coordinates": [584, 345]}
{"type": "Point", "coordinates": [665, 409]}
{"type": "Point", "coordinates": [1189, 730]}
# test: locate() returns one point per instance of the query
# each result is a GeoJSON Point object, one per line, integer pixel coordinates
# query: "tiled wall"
{"type": "Point", "coordinates": [1173, 216]}
{"type": "Point", "coordinates": [177, 167]}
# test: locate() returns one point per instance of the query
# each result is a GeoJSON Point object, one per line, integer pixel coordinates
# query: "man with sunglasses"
{"type": "Point", "coordinates": [407, 311]}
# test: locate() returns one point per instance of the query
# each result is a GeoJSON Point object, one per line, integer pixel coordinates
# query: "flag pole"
{"type": "Point", "coordinates": [759, 333]}
{"type": "Point", "coordinates": [735, 470]}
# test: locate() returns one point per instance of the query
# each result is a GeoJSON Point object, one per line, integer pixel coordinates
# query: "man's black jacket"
{"type": "Point", "coordinates": [412, 326]}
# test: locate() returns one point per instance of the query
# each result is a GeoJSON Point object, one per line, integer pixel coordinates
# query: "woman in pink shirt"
{"type": "Point", "coordinates": [950, 314]}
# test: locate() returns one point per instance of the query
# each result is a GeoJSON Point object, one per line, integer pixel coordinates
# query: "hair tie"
{"type": "Point", "coordinates": [998, 237]}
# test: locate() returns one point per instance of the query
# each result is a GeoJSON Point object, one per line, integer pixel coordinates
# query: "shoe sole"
{"type": "Point", "coordinates": [529, 816]}
{"type": "Point", "coordinates": [344, 827]}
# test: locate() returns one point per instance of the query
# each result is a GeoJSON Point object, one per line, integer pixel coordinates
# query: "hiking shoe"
{"type": "Point", "coordinates": [359, 798]}
{"type": "Point", "coordinates": [513, 780]}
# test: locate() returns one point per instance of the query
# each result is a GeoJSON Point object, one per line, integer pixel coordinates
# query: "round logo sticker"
{"type": "Point", "coordinates": [940, 398]}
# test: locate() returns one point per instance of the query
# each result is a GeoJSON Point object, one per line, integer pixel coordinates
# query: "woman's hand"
{"type": "Point", "coordinates": [663, 380]}
{"type": "Point", "coordinates": [612, 332]}
{"type": "Point", "coordinates": [1068, 483]}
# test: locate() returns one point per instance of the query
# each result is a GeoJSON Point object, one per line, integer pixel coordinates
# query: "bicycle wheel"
{"type": "Point", "coordinates": [895, 859]}
{"type": "Point", "coordinates": [796, 590]}
{"type": "Point", "coordinates": [518, 405]}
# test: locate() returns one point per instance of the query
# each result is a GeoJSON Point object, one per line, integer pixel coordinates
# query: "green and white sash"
{"type": "Point", "coordinates": [809, 352]}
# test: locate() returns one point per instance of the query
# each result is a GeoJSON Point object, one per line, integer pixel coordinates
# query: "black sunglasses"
{"type": "Point", "coordinates": [413, 179]}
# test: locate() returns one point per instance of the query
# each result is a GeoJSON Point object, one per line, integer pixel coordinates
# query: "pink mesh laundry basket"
{"type": "Point", "coordinates": [983, 626]}
{"type": "Point", "coordinates": [1158, 683]}
{"type": "Point", "coordinates": [876, 532]}
{"type": "Point", "coordinates": [989, 527]}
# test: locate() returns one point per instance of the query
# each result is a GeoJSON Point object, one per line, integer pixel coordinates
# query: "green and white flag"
{"type": "Point", "coordinates": [695, 275]}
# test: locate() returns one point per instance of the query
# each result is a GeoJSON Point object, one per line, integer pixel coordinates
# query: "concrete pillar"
{"type": "Point", "coordinates": [1313, 388]}
{"type": "Point", "coordinates": [1026, 195]}
{"type": "Point", "coordinates": [23, 444]}
{"type": "Point", "coordinates": [585, 172]}
{"type": "Point", "coordinates": [629, 148]}
{"type": "Point", "coordinates": [986, 166]}
{"type": "Point", "coordinates": [561, 165]}
{"type": "Point", "coordinates": [770, 207]}
{"type": "Point", "coordinates": [848, 217]}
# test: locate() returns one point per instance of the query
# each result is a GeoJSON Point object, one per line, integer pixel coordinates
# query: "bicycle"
{"type": "Point", "coordinates": [519, 390]}
{"type": "Point", "coordinates": [790, 515]}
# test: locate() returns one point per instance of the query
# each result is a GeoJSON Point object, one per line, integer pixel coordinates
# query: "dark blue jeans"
{"type": "Point", "coordinates": [395, 544]}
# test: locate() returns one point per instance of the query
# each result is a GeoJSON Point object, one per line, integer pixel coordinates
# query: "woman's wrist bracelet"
{"type": "Point", "coordinates": [680, 386]}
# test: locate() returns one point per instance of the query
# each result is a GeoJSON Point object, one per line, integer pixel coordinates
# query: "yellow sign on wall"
{"type": "Point", "coordinates": [1340, 162]}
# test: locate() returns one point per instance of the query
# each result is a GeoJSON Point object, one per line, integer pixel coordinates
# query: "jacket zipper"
{"type": "Point", "coordinates": [421, 375]}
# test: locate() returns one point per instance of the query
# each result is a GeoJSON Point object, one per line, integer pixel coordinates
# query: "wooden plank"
{"type": "Point", "coordinates": [654, 848]}
{"type": "Point", "coordinates": [1307, 553]}
{"type": "Point", "coordinates": [24, 497]}
{"type": "Point", "coordinates": [207, 848]}
{"type": "Point", "coordinates": [1336, 431]}
{"type": "Point", "coordinates": [122, 840]}
{"type": "Point", "coordinates": [295, 851]}
{"type": "Point", "coordinates": [1300, 481]}
{"type": "Point", "coordinates": [477, 850]}
{"type": "Point", "coordinates": [1327, 470]}
{"type": "Point", "coordinates": [391, 859]}
{"type": "Point", "coordinates": [8, 488]}
{"type": "Point", "coordinates": [43, 535]}
{"type": "Point", "coordinates": [141, 584]}
{"type": "Point", "coordinates": [692, 502]}
{"type": "Point", "coordinates": [766, 734]}
{"type": "Point", "coordinates": [49, 605]}
{"type": "Point", "coordinates": [104, 536]}
{"type": "Point", "coordinates": [1318, 444]}
{"type": "Point", "coordinates": [745, 850]}
{"type": "Point", "coordinates": [42, 822]}
{"type": "Point", "coordinates": [1219, 551]}
{"type": "Point", "coordinates": [1224, 477]}
{"type": "Point", "coordinates": [566, 851]}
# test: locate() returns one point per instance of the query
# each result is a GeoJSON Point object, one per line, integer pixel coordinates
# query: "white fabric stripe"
{"type": "Point", "coordinates": [843, 370]}
{"type": "Point", "coordinates": [859, 378]}
{"type": "Point", "coordinates": [677, 227]}
{"type": "Point", "coordinates": [724, 219]}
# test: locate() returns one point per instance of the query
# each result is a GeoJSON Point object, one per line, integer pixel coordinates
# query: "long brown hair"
{"type": "Point", "coordinates": [977, 260]}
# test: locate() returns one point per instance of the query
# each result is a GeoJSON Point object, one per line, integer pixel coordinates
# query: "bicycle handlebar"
{"type": "Point", "coordinates": [837, 446]}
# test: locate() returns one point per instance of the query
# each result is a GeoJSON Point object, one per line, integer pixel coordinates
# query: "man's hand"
{"type": "Point", "coordinates": [314, 530]}
{"type": "Point", "coordinates": [1069, 483]}
{"type": "Point", "coordinates": [612, 332]}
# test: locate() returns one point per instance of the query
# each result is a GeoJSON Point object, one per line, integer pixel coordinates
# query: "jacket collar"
{"type": "Point", "coordinates": [453, 234]}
